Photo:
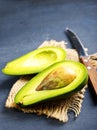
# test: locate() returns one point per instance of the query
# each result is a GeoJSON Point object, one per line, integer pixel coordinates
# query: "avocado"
{"type": "Point", "coordinates": [60, 79]}
{"type": "Point", "coordinates": [35, 61]}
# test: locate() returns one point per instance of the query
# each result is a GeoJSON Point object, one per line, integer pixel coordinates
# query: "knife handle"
{"type": "Point", "coordinates": [91, 72]}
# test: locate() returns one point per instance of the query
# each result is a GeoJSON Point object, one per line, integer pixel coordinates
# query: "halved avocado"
{"type": "Point", "coordinates": [62, 78]}
{"type": "Point", "coordinates": [35, 61]}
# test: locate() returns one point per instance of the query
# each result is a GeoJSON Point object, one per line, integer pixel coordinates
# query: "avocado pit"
{"type": "Point", "coordinates": [56, 79]}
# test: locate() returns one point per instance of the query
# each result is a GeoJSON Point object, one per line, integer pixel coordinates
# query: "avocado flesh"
{"type": "Point", "coordinates": [35, 61]}
{"type": "Point", "coordinates": [35, 91]}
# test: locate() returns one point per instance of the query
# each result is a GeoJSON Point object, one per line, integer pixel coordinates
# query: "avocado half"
{"type": "Point", "coordinates": [61, 79]}
{"type": "Point", "coordinates": [35, 61]}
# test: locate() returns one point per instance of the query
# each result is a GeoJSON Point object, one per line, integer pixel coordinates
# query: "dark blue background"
{"type": "Point", "coordinates": [24, 25]}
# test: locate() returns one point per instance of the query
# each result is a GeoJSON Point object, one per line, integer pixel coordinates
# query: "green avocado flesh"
{"type": "Point", "coordinates": [35, 61]}
{"type": "Point", "coordinates": [60, 79]}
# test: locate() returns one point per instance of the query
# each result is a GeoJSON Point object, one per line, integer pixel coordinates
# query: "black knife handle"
{"type": "Point", "coordinates": [91, 72]}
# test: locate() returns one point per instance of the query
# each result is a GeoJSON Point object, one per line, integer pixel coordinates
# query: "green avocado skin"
{"type": "Point", "coordinates": [35, 61]}
{"type": "Point", "coordinates": [29, 95]}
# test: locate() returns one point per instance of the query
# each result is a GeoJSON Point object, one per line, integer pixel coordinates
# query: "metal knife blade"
{"type": "Point", "coordinates": [76, 42]}
{"type": "Point", "coordinates": [84, 58]}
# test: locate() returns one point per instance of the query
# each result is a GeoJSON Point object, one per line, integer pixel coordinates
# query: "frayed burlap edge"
{"type": "Point", "coordinates": [55, 109]}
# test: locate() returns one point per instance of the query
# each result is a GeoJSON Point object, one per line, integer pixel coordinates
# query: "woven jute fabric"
{"type": "Point", "coordinates": [55, 109]}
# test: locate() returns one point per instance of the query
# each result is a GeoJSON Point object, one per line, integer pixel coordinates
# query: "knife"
{"type": "Point", "coordinates": [84, 58]}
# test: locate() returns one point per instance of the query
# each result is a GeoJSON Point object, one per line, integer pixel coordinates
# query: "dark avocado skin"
{"type": "Point", "coordinates": [35, 61]}
{"type": "Point", "coordinates": [29, 95]}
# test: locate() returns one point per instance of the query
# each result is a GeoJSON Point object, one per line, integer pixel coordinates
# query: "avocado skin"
{"type": "Point", "coordinates": [28, 95]}
{"type": "Point", "coordinates": [35, 61]}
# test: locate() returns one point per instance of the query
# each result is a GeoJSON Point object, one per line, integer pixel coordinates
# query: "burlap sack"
{"type": "Point", "coordinates": [54, 109]}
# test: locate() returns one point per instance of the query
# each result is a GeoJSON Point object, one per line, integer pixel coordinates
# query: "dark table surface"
{"type": "Point", "coordinates": [24, 25]}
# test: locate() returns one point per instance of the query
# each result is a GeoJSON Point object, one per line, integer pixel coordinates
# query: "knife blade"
{"type": "Point", "coordinates": [84, 58]}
